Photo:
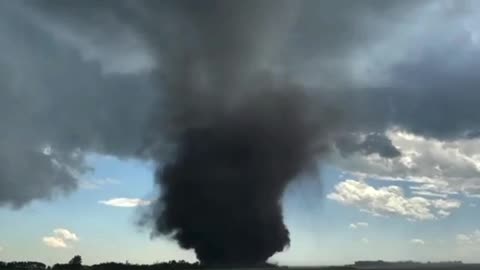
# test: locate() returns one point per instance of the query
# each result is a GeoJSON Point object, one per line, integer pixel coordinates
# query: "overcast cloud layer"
{"type": "Point", "coordinates": [76, 78]}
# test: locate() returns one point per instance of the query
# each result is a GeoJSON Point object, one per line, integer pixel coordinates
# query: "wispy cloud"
{"type": "Point", "coordinates": [417, 241]}
{"type": "Point", "coordinates": [462, 238]}
{"type": "Point", "coordinates": [469, 238]}
{"type": "Point", "coordinates": [97, 183]}
{"type": "Point", "coordinates": [125, 202]}
{"type": "Point", "coordinates": [443, 213]}
{"type": "Point", "coordinates": [60, 239]}
{"type": "Point", "coordinates": [428, 193]}
{"type": "Point", "coordinates": [358, 225]}
{"type": "Point", "coordinates": [365, 240]}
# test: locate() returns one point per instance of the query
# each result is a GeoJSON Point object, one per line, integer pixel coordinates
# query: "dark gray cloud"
{"type": "Point", "coordinates": [426, 95]}
{"type": "Point", "coordinates": [137, 79]}
{"type": "Point", "coordinates": [370, 144]}
{"type": "Point", "coordinates": [52, 97]}
{"type": "Point", "coordinates": [442, 97]}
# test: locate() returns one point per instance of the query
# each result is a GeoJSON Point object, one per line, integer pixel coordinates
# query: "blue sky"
{"type": "Point", "coordinates": [69, 88]}
{"type": "Point", "coordinates": [321, 229]}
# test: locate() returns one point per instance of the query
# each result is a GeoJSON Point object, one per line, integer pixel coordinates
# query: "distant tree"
{"type": "Point", "coordinates": [25, 265]}
{"type": "Point", "coordinates": [76, 260]}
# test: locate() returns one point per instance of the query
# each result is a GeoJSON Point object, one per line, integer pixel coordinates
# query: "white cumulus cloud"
{"type": "Point", "coordinates": [434, 168]}
{"type": "Point", "coordinates": [54, 242]}
{"type": "Point", "coordinates": [60, 239]}
{"type": "Point", "coordinates": [390, 200]}
{"type": "Point", "coordinates": [125, 202]}
{"type": "Point", "coordinates": [65, 234]}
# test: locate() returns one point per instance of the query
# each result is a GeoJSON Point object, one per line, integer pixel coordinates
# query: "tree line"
{"type": "Point", "coordinates": [76, 264]}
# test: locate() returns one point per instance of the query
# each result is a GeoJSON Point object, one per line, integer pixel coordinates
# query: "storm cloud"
{"type": "Point", "coordinates": [146, 80]}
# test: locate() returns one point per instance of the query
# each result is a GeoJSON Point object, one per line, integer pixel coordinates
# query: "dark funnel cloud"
{"type": "Point", "coordinates": [222, 189]}
{"type": "Point", "coordinates": [239, 136]}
